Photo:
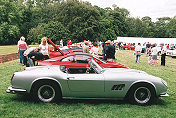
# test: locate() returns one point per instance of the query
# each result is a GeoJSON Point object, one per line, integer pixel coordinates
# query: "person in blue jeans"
{"type": "Point", "coordinates": [32, 54]}
{"type": "Point", "coordinates": [22, 46]}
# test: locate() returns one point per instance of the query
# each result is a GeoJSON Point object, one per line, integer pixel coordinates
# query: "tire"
{"type": "Point", "coordinates": [142, 94]}
{"type": "Point", "coordinates": [126, 48]}
{"type": "Point", "coordinates": [46, 92]}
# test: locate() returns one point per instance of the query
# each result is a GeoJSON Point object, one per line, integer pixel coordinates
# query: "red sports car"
{"type": "Point", "coordinates": [61, 51]}
{"type": "Point", "coordinates": [78, 60]}
{"type": "Point", "coordinates": [71, 59]}
{"type": "Point", "coordinates": [128, 47]}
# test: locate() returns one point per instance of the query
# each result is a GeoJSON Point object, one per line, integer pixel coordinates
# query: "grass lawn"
{"type": "Point", "coordinates": [12, 105]}
{"type": "Point", "coordinates": [8, 49]}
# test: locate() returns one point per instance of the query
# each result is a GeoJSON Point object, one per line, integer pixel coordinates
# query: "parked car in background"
{"type": "Point", "coordinates": [57, 51]}
{"type": "Point", "coordinates": [171, 53]}
{"type": "Point", "coordinates": [52, 83]}
{"type": "Point", "coordinates": [128, 47]}
{"type": "Point", "coordinates": [79, 60]}
{"type": "Point", "coordinates": [75, 58]}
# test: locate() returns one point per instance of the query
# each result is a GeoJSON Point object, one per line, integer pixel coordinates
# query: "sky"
{"type": "Point", "coordinates": [140, 8]}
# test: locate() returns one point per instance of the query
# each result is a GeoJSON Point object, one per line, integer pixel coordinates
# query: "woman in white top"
{"type": "Point", "coordinates": [154, 53]}
{"type": "Point", "coordinates": [44, 48]}
{"type": "Point", "coordinates": [94, 49]}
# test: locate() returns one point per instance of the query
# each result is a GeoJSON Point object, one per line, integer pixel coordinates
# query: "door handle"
{"type": "Point", "coordinates": [70, 78]}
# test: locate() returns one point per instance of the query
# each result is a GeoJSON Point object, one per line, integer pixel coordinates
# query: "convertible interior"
{"type": "Point", "coordinates": [77, 70]}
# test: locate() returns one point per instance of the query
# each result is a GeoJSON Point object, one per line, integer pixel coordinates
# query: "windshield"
{"type": "Point", "coordinates": [95, 66]}
{"type": "Point", "coordinates": [99, 59]}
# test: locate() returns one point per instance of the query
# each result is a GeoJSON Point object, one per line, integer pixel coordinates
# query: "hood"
{"type": "Point", "coordinates": [129, 75]}
{"type": "Point", "coordinates": [55, 46]}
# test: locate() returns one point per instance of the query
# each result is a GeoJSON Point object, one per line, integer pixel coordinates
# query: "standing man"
{"type": "Point", "coordinates": [138, 50]}
{"type": "Point", "coordinates": [163, 54]}
{"type": "Point", "coordinates": [109, 51]}
{"type": "Point", "coordinates": [147, 48]}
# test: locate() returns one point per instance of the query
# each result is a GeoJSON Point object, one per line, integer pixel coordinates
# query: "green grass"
{"type": "Point", "coordinates": [12, 105]}
{"type": "Point", "coordinates": [8, 49]}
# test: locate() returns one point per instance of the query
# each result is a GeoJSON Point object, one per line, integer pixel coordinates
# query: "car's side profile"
{"type": "Point", "coordinates": [128, 47]}
{"type": "Point", "coordinates": [79, 60]}
{"type": "Point", "coordinates": [52, 83]}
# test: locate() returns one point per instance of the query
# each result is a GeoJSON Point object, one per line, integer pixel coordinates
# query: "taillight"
{"type": "Point", "coordinates": [12, 76]}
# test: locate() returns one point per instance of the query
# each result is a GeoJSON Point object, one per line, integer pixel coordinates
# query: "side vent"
{"type": "Point", "coordinates": [118, 87]}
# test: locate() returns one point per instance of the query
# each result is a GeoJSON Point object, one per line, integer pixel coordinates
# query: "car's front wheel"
{"type": "Point", "coordinates": [142, 94]}
{"type": "Point", "coordinates": [46, 92]}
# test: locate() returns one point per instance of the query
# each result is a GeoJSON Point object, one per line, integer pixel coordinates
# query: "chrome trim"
{"type": "Point", "coordinates": [164, 94]}
{"type": "Point", "coordinates": [15, 90]}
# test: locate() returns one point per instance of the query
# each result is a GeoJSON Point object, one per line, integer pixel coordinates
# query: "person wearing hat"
{"type": "Point", "coordinates": [109, 51]}
{"type": "Point", "coordinates": [163, 54]}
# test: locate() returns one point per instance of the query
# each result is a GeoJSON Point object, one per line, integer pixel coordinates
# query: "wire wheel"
{"type": "Point", "coordinates": [46, 93]}
{"type": "Point", "coordinates": [142, 95]}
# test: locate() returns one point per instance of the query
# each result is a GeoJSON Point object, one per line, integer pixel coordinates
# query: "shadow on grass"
{"type": "Point", "coordinates": [28, 98]}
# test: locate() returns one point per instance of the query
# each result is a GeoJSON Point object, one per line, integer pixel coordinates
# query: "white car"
{"type": "Point", "coordinates": [171, 53]}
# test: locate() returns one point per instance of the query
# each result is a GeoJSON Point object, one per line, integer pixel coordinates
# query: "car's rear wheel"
{"type": "Point", "coordinates": [46, 92]}
{"type": "Point", "coordinates": [142, 94]}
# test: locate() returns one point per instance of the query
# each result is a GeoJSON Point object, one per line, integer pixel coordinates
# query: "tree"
{"type": "Point", "coordinates": [171, 28]}
{"type": "Point", "coordinates": [54, 30]}
{"type": "Point", "coordinates": [8, 34]}
{"type": "Point", "coordinates": [10, 19]}
{"type": "Point", "coordinates": [81, 19]}
{"type": "Point", "coordinates": [160, 27]}
{"type": "Point", "coordinates": [149, 27]}
{"type": "Point", "coordinates": [135, 27]}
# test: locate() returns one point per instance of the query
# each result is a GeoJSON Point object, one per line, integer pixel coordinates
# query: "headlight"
{"type": "Point", "coordinates": [164, 82]}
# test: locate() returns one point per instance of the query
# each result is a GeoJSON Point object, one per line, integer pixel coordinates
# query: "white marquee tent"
{"type": "Point", "coordinates": [143, 40]}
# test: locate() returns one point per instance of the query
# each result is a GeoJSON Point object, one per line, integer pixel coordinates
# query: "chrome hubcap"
{"type": "Point", "coordinates": [46, 93]}
{"type": "Point", "coordinates": [142, 95]}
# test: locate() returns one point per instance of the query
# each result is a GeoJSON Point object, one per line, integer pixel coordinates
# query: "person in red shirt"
{"type": "Point", "coordinates": [167, 46]}
{"type": "Point", "coordinates": [69, 43]}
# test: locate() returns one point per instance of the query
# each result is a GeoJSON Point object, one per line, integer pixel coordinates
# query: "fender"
{"type": "Point", "coordinates": [45, 78]}
{"type": "Point", "coordinates": [143, 81]}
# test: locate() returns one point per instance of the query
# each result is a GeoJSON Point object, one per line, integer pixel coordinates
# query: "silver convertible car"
{"type": "Point", "coordinates": [52, 83]}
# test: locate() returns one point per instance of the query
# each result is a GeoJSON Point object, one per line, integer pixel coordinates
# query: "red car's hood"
{"type": "Point", "coordinates": [55, 46]}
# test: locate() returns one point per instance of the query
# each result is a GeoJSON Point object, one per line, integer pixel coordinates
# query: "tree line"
{"type": "Point", "coordinates": [75, 20]}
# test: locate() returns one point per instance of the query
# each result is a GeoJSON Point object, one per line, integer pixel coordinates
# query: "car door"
{"type": "Point", "coordinates": [86, 85]}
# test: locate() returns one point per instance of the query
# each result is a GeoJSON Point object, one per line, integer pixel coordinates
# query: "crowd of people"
{"type": "Point", "coordinates": [108, 49]}
{"type": "Point", "coordinates": [31, 54]}
{"type": "Point", "coordinates": [152, 52]}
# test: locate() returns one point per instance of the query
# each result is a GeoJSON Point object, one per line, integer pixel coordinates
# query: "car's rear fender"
{"type": "Point", "coordinates": [48, 79]}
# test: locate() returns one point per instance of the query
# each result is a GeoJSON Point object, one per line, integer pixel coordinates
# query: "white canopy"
{"type": "Point", "coordinates": [143, 40]}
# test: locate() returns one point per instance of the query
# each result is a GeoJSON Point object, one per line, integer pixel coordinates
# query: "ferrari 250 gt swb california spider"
{"type": "Point", "coordinates": [52, 83]}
